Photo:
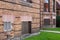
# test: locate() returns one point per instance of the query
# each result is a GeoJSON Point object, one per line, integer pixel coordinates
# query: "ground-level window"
{"type": "Point", "coordinates": [7, 26]}
{"type": "Point", "coordinates": [54, 21]}
{"type": "Point", "coordinates": [46, 21]}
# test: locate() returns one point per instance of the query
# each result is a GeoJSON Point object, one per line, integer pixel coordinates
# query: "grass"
{"type": "Point", "coordinates": [54, 29]}
{"type": "Point", "coordinates": [45, 36]}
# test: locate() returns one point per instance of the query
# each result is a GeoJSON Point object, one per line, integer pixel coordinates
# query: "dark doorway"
{"type": "Point", "coordinates": [29, 25]}
{"type": "Point", "coordinates": [26, 27]}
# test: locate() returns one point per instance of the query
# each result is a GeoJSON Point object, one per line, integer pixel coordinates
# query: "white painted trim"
{"type": "Point", "coordinates": [26, 18]}
{"type": "Point", "coordinates": [8, 18]}
{"type": "Point", "coordinates": [46, 17]}
{"type": "Point", "coordinates": [54, 17]}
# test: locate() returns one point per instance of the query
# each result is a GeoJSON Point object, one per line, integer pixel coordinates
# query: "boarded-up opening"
{"type": "Point", "coordinates": [26, 27]}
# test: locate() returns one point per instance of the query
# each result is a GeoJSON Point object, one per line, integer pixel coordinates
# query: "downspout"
{"type": "Point", "coordinates": [40, 14]}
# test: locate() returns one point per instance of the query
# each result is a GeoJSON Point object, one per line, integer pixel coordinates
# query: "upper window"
{"type": "Point", "coordinates": [30, 1]}
{"type": "Point", "coordinates": [46, 1]}
{"type": "Point", "coordinates": [26, 3]}
{"type": "Point", "coordinates": [57, 5]}
{"type": "Point", "coordinates": [47, 5]}
{"type": "Point", "coordinates": [53, 5]}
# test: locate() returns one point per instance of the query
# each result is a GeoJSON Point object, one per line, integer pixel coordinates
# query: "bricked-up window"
{"type": "Point", "coordinates": [47, 6]}
{"type": "Point", "coordinates": [30, 1]}
{"type": "Point", "coordinates": [46, 21]}
{"type": "Point", "coordinates": [53, 5]}
{"type": "Point", "coordinates": [7, 26]}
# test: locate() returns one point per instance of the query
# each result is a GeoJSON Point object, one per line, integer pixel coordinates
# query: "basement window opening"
{"type": "Point", "coordinates": [7, 26]}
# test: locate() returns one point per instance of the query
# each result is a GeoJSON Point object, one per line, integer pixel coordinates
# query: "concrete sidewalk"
{"type": "Point", "coordinates": [50, 31]}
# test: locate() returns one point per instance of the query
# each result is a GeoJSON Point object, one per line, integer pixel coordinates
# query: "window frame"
{"type": "Point", "coordinates": [25, 3]}
{"type": "Point", "coordinates": [53, 5]}
{"type": "Point", "coordinates": [46, 24]}
{"type": "Point", "coordinates": [48, 4]}
{"type": "Point", "coordinates": [6, 24]}
{"type": "Point", "coordinates": [54, 21]}
{"type": "Point", "coordinates": [29, 1]}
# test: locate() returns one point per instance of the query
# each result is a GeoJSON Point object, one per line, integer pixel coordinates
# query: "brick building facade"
{"type": "Point", "coordinates": [19, 16]}
{"type": "Point", "coordinates": [48, 13]}
{"type": "Point", "coordinates": [26, 16]}
{"type": "Point", "coordinates": [58, 7]}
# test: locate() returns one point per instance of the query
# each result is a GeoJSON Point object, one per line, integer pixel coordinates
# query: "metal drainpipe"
{"type": "Point", "coordinates": [40, 15]}
{"type": "Point", "coordinates": [55, 12]}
